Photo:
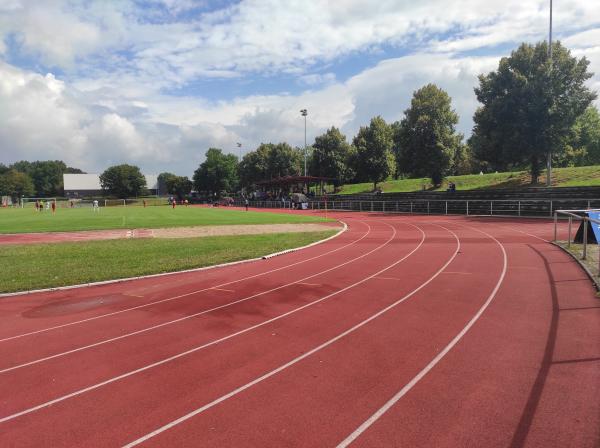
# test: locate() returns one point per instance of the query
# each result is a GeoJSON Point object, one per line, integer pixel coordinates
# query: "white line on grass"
{"type": "Point", "coordinates": [168, 299]}
{"type": "Point", "coordinates": [190, 316]}
{"type": "Point", "coordinates": [301, 357]}
{"type": "Point", "coordinates": [379, 413]}
{"type": "Point", "coordinates": [208, 344]}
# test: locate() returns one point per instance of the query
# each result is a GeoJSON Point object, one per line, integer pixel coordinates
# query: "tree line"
{"type": "Point", "coordinates": [39, 178]}
{"type": "Point", "coordinates": [531, 107]}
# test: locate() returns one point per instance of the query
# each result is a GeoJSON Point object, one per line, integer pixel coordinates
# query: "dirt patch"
{"type": "Point", "coordinates": [191, 232]}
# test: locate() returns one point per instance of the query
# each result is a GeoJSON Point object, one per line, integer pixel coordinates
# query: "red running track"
{"type": "Point", "coordinates": [402, 331]}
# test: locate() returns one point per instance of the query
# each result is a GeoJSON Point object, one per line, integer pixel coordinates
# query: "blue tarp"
{"type": "Point", "coordinates": [595, 225]}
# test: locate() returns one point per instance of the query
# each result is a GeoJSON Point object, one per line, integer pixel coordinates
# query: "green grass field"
{"type": "Point", "coordinates": [562, 177]}
{"type": "Point", "coordinates": [26, 267]}
{"type": "Point", "coordinates": [16, 220]}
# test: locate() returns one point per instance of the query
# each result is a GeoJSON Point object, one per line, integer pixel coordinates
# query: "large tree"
{"type": "Point", "coordinates": [330, 156]}
{"type": "Point", "coordinates": [583, 147]}
{"type": "Point", "coordinates": [426, 142]}
{"type": "Point", "coordinates": [374, 158]}
{"type": "Point", "coordinates": [162, 180]}
{"type": "Point", "coordinates": [218, 173]}
{"type": "Point", "coordinates": [15, 184]}
{"type": "Point", "coordinates": [270, 161]}
{"type": "Point", "coordinates": [529, 106]}
{"type": "Point", "coordinates": [180, 186]}
{"type": "Point", "coordinates": [123, 181]}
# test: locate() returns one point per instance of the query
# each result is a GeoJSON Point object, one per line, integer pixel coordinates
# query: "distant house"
{"type": "Point", "coordinates": [84, 185]}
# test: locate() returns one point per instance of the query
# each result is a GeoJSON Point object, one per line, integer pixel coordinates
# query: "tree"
{"type": "Point", "coordinates": [180, 186]}
{"type": "Point", "coordinates": [330, 156]}
{"type": "Point", "coordinates": [283, 160]}
{"type": "Point", "coordinates": [217, 173]}
{"type": "Point", "coordinates": [270, 161]}
{"type": "Point", "coordinates": [15, 184]}
{"type": "Point", "coordinates": [426, 142]}
{"type": "Point", "coordinates": [162, 180]}
{"type": "Point", "coordinates": [123, 181]}
{"type": "Point", "coordinates": [583, 146]}
{"type": "Point", "coordinates": [373, 143]}
{"type": "Point", "coordinates": [529, 106]}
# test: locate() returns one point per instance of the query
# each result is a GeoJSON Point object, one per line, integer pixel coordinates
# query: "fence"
{"type": "Point", "coordinates": [578, 215]}
{"type": "Point", "coordinates": [497, 207]}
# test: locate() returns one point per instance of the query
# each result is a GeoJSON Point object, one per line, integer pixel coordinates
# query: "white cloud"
{"type": "Point", "coordinates": [110, 106]}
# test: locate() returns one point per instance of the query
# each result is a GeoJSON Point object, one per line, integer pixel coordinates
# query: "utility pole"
{"type": "Point", "coordinates": [304, 113]}
{"type": "Point", "coordinates": [549, 156]}
{"type": "Point", "coordinates": [239, 145]}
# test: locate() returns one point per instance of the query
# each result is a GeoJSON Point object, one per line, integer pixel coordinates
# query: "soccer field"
{"type": "Point", "coordinates": [28, 220]}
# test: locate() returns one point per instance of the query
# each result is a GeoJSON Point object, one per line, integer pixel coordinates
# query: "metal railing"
{"type": "Point", "coordinates": [578, 215]}
{"type": "Point", "coordinates": [498, 207]}
{"type": "Point", "coordinates": [492, 207]}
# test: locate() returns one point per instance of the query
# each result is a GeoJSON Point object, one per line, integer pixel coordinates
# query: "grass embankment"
{"type": "Point", "coordinates": [16, 220]}
{"type": "Point", "coordinates": [27, 267]}
{"type": "Point", "coordinates": [561, 177]}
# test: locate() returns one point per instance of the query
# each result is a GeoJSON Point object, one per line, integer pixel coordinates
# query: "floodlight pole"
{"type": "Point", "coordinates": [304, 113]}
{"type": "Point", "coordinates": [549, 156]}
{"type": "Point", "coordinates": [239, 145]}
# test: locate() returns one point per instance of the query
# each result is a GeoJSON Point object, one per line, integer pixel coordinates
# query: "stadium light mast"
{"type": "Point", "coordinates": [239, 145]}
{"type": "Point", "coordinates": [304, 113]}
{"type": "Point", "coordinates": [549, 156]}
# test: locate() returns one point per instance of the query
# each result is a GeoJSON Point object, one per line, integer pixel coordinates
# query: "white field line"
{"type": "Point", "coordinates": [301, 357]}
{"type": "Point", "coordinates": [190, 316]}
{"type": "Point", "coordinates": [168, 299]}
{"type": "Point", "coordinates": [392, 401]}
{"type": "Point", "coordinates": [208, 344]}
{"type": "Point", "coordinates": [163, 274]}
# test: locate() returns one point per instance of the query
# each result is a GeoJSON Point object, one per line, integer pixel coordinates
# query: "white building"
{"type": "Point", "coordinates": [82, 185]}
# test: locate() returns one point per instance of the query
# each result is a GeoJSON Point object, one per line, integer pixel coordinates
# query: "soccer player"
{"type": "Point", "coordinates": [95, 207]}
{"type": "Point", "coordinates": [53, 207]}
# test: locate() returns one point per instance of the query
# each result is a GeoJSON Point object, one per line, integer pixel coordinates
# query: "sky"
{"type": "Point", "coordinates": [156, 83]}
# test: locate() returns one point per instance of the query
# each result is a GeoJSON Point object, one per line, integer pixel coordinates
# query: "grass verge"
{"type": "Point", "coordinates": [16, 220]}
{"type": "Point", "coordinates": [36, 266]}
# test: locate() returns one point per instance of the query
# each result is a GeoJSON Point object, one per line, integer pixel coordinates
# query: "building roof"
{"type": "Point", "coordinates": [91, 182]}
{"type": "Point", "coordinates": [81, 182]}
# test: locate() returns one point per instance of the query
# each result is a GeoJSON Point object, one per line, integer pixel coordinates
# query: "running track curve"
{"type": "Point", "coordinates": [402, 331]}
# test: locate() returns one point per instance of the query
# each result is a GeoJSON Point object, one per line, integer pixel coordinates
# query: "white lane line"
{"type": "Point", "coordinates": [189, 293]}
{"type": "Point", "coordinates": [208, 344]}
{"type": "Point", "coordinates": [526, 233]}
{"type": "Point", "coordinates": [390, 278]}
{"type": "Point", "coordinates": [310, 284]}
{"type": "Point", "coordinates": [222, 289]}
{"type": "Point", "coordinates": [190, 316]}
{"type": "Point", "coordinates": [301, 357]}
{"type": "Point", "coordinates": [377, 415]}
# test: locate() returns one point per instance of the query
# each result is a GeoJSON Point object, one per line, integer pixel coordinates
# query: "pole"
{"type": "Point", "coordinates": [549, 155]}
{"type": "Point", "coordinates": [304, 113]}
{"type": "Point", "coordinates": [239, 145]}
{"type": "Point", "coordinates": [585, 238]}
